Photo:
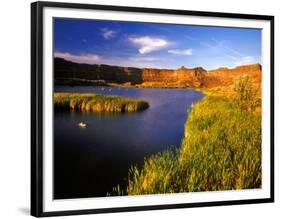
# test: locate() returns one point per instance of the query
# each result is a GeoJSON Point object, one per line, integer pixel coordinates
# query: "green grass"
{"type": "Point", "coordinates": [97, 103]}
{"type": "Point", "coordinates": [221, 150]}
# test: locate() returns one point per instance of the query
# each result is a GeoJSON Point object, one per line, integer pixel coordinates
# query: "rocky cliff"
{"type": "Point", "coordinates": [182, 77]}
{"type": "Point", "coordinates": [110, 74]}
{"type": "Point", "coordinates": [225, 76]}
{"type": "Point", "coordinates": [150, 77]}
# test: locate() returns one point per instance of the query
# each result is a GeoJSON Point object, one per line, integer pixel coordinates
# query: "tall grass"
{"type": "Point", "coordinates": [245, 94]}
{"type": "Point", "coordinates": [222, 147]}
{"type": "Point", "coordinates": [97, 103]}
{"type": "Point", "coordinates": [158, 175]}
{"type": "Point", "coordinates": [221, 150]}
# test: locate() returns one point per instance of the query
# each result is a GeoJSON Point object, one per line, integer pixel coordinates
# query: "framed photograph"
{"type": "Point", "coordinates": [144, 108]}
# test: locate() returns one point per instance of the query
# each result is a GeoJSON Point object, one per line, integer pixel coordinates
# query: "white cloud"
{"type": "Point", "coordinates": [147, 44]}
{"type": "Point", "coordinates": [212, 47]}
{"type": "Point", "coordinates": [231, 56]}
{"type": "Point", "coordinates": [238, 58]}
{"type": "Point", "coordinates": [134, 61]}
{"type": "Point", "coordinates": [108, 34]}
{"type": "Point", "coordinates": [185, 52]}
{"type": "Point", "coordinates": [189, 37]}
{"type": "Point", "coordinates": [245, 60]}
{"type": "Point", "coordinates": [83, 58]}
{"type": "Point", "coordinates": [220, 47]}
{"type": "Point", "coordinates": [143, 59]}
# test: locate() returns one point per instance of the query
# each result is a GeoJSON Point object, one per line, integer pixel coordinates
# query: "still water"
{"type": "Point", "coordinates": [90, 161]}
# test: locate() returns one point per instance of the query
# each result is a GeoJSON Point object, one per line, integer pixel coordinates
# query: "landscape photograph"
{"type": "Point", "coordinates": [155, 108]}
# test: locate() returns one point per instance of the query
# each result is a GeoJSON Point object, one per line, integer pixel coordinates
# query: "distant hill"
{"type": "Point", "coordinates": [67, 72]}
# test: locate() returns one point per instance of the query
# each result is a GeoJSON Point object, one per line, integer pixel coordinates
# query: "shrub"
{"type": "Point", "coordinates": [245, 95]}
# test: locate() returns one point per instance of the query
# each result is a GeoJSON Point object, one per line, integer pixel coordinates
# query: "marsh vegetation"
{"type": "Point", "coordinates": [97, 103]}
{"type": "Point", "coordinates": [220, 150]}
{"type": "Point", "coordinates": [89, 162]}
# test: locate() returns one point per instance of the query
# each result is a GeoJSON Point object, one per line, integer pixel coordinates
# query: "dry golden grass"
{"type": "Point", "coordinates": [221, 148]}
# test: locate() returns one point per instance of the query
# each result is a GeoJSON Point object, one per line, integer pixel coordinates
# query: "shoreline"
{"type": "Point", "coordinates": [129, 86]}
{"type": "Point", "coordinates": [217, 133]}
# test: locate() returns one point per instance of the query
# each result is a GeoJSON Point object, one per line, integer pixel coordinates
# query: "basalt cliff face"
{"type": "Point", "coordinates": [150, 77]}
{"type": "Point", "coordinates": [182, 77]}
{"type": "Point", "coordinates": [226, 76]}
{"type": "Point", "coordinates": [107, 73]}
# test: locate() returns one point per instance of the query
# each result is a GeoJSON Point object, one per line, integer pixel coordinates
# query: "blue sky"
{"type": "Point", "coordinates": [155, 45]}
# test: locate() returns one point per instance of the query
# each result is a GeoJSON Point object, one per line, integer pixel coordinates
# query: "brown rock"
{"type": "Point", "coordinates": [152, 77]}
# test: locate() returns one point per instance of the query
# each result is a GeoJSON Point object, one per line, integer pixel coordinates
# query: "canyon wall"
{"type": "Point", "coordinates": [185, 77]}
{"type": "Point", "coordinates": [150, 77]}
{"type": "Point", "coordinates": [110, 74]}
{"type": "Point", "coordinates": [226, 76]}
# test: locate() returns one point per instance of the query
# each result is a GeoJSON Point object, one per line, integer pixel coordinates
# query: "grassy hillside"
{"type": "Point", "coordinates": [97, 103]}
{"type": "Point", "coordinates": [220, 150]}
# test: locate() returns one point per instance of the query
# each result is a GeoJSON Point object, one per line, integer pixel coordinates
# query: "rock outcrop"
{"type": "Point", "coordinates": [225, 76]}
{"type": "Point", "coordinates": [109, 74]}
{"type": "Point", "coordinates": [182, 77]}
{"type": "Point", "coordinates": [151, 77]}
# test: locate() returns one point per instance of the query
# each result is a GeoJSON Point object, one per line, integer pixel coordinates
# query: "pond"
{"type": "Point", "coordinates": [90, 161]}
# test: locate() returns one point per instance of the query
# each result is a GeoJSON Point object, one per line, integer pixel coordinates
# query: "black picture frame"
{"type": "Point", "coordinates": [37, 107]}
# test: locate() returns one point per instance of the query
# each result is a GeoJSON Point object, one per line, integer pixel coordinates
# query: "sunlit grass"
{"type": "Point", "coordinates": [97, 103]}
{"type": "Point", "coordinates": [221, 150]}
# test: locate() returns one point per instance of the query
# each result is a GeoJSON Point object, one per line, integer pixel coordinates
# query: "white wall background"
{"type": "Point", "coordinates": [15, 108]}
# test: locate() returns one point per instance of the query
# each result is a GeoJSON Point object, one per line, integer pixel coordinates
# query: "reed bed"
{"type": "Point", "coordinates": [221, 150]}
{"type": "Point", "coordinates": [97, 103]}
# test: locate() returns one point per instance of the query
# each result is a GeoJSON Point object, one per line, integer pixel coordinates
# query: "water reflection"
{"type": "Point", "coordinates": [90, 161]}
